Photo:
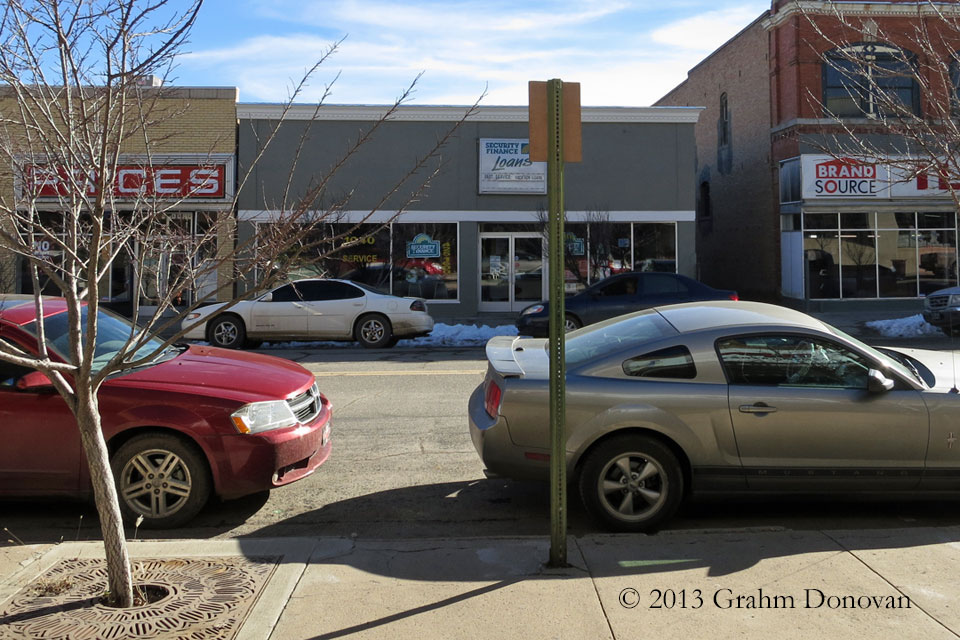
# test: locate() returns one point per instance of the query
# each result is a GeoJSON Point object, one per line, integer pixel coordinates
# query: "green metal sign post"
{"type": "Point", "coordinates": [555, 139]}
{"type": "Point", "coordinates": [558, 368]}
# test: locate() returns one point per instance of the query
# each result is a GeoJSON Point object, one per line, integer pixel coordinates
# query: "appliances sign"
{"type": "Point", "coordinates": [133, 181]}
{"type": "Point", "coordinates": [505, 167]}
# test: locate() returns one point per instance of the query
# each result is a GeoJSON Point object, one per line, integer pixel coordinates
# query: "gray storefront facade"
{"type": "Point", "coordinates": [472, 241]}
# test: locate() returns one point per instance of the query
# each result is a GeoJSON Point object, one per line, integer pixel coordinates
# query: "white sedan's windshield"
{"type": "Point", "coordinates": [113, 333]}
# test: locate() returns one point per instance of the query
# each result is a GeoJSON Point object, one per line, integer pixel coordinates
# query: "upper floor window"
{"type": "Point", "coordinates": [723, 126]}
{"type": "Point", "coordinates": [870, 80]}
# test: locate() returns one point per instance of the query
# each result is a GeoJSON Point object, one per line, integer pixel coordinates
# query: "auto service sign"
{"type": "Point", "coordinates": [189, 181]}
{"type": "Point", "coordinates": [828, 177]}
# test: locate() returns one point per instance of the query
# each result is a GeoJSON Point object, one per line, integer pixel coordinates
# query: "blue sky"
{"type": "Point", "coordinates": [623, 52]}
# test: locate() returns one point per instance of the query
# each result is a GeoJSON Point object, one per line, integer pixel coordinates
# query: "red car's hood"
{"type": "Point", "coordinates": [246, 377]}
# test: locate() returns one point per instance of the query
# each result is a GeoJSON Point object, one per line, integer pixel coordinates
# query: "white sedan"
{"type": "Point", "coordinates": [312, 310]}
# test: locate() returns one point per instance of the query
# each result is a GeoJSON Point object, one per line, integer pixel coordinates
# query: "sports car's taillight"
{"type": "Point", "coordinates": [418, 305]}
{"type": "Point", "coordinates": [491, 400]}
{"type": "Point", "coordinates": [734, 296]}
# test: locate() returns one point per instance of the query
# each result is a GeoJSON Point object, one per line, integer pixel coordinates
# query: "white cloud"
{"type": "Point", "coordinates": [705, 32]}
{"type": "Point", "coordinates": [615, 49]}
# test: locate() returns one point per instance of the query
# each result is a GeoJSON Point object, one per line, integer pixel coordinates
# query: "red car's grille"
{"type": "Point", "coordinates": [307, 405]}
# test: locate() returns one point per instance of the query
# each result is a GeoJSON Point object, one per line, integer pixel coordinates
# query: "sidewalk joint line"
{"type": "Point", "coordinates": [892, 586]}
{"type": "Point", "coordinates": [596, 589]}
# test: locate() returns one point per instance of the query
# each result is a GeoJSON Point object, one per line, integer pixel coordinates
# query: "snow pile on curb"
{"type": "Point", "coordinates": [911, 327]}
{"type": "Point", "coordinates": [443, 335]}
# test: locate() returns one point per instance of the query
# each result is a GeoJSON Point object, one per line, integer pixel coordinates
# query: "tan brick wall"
{"type": "Point", "coordinates": [183, 120]}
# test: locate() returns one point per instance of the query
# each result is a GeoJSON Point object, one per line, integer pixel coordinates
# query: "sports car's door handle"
{"type": "Point", "coordinates": [759, 407]}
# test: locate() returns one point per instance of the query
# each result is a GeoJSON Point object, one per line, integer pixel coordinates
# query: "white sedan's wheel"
{"type": "Point", "coordinates": [374, 331]}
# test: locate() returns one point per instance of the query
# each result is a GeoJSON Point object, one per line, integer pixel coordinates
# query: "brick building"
{"type": "Point", "coordinates": [190, 130]}
{"type": "Point", "coordinates": [790, 203]}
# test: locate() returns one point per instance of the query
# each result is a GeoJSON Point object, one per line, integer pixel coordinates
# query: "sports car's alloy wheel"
{"type": "Point", "coordinates": [161, 478]}
{"type": "Point", "coordinates": [631, 483]}
{"type": "Point", "coordinates": [570, 324]}
{"type": "Point", "coordinates": [374, 331]}
{"type": "Point", "coordinates": [227, 332]}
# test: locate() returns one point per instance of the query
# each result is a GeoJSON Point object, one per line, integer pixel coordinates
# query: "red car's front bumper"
{"type": "Point", "coordinates": [251, 463]}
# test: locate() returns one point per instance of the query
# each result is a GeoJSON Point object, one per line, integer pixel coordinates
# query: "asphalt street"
{"type": "Point", "coordinates": [403, 466]}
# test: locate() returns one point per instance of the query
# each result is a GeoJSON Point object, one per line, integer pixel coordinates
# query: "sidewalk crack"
{"type": "Point", "coordinates": [892, 586]}
{"type": "Point", "coordinates": [596, 589]}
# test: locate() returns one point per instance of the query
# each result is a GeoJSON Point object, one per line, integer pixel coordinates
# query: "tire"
{"type": "Point", "coordinates": [373, 331]}
{"type": "Point", "coordinates": [639, 503]}
{"type": "Point", "coordinates": [167, 459]}
{"type": "Point", "coordinates": [571, 323]}
{"type": "Point", "coordinates": [227, 332]}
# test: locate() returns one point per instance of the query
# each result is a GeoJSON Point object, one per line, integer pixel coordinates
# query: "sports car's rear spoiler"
{"type": "Point", "coordinates": [514, 356]}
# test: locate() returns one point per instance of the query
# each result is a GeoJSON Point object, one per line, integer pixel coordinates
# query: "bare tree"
{"type": "Point", "coordinates": [72, 115]}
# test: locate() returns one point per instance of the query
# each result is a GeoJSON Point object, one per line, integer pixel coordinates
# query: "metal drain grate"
{"type": "Point", "coordinates": [208, 598]}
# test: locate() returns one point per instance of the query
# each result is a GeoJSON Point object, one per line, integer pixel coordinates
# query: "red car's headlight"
{"type": "Point", "coordinates": [257, 417]}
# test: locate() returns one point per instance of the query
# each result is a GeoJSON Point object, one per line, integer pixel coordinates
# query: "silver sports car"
{"type": "Point", "coordinates": [720, 397]}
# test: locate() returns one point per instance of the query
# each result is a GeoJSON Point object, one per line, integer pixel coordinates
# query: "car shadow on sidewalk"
{"type": "Point", "coordinates": [479, 512]}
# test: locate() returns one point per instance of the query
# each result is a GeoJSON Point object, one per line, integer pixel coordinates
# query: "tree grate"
{"type": "Point", "coordinates": [207, 598]}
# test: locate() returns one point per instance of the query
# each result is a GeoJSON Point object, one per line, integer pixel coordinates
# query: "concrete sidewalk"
{"type": "Point", "coordinates": [726, 584]}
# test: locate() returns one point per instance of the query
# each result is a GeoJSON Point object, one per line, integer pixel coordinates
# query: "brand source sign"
{"type": "Point", "coordinates": [825, 177]}
{"type": "Point", "coordinates": [505, 167]}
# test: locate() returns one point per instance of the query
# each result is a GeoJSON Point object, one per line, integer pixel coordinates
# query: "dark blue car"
{"type": "Point", "coordinates": [619, 294]}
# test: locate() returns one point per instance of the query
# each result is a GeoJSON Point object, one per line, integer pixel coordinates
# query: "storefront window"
{"type": "Point", "coordinates": [822, 254]}
{"type": "Point", "coordinates": [655, 246]}
{"type": "Point", "coordinates": [938, 260]}
{"type": "Point", "coordinates": [609, 249]}
{"type": "Point", "coordinates": [360, 253]}
{"type": "Point", "coordinates": [425, 261]}
{"type": "Point", "coordinates": [578, 250]}
{"type": "Point", "coordinates": [858, 272]}
{"type": "Point", "coordinates": [908, 254]}
{"type": "Point", "coordinates": [897, 263]}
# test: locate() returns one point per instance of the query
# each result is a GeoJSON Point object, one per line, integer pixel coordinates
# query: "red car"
{"type": "Point", "coordinates": [194, 421]}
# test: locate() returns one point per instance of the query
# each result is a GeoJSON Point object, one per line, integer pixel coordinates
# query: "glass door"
{"type": "Point", "coordinates": [511, 271]}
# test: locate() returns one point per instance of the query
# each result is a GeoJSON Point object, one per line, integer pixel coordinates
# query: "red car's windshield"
{"type": "Point", "coordinates": [113, 335]}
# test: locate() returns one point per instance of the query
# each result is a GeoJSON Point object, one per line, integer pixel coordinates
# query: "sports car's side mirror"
{"type": "Point", "coordinates": [878, 383]}
{"type": "Point", "coordinates": [267, 297]}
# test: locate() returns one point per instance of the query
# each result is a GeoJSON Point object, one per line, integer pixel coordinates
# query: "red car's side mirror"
{"type": "Point", "coordinates": [36, 382]}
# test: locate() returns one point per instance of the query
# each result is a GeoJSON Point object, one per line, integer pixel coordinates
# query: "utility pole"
{"type": "Point", "coordinates": [555, 138]}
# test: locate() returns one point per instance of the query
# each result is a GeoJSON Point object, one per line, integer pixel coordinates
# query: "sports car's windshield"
{"type": "Point", "coordinates": [604, 338]}
{"type": "Point", "coordinates": [113, 333]}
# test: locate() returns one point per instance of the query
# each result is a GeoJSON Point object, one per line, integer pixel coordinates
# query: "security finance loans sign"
{"type": "Point", "coordinates": [828, 177]}
{"type": "Point", "coordinates": [505, 167]}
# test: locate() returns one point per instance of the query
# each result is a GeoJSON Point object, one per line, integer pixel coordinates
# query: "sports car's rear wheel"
{"type": "Point", "coordinates": [162, 478]}
{"type": "Point", "coordinates": [374, 331]}
{"type": "Point", "coordinates": [631, 483]}
{"type": "Point", "coordinates": [227, 332]}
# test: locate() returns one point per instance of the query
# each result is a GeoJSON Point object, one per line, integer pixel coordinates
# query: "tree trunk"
{"type": "Point", "coordinates": [105, 492]}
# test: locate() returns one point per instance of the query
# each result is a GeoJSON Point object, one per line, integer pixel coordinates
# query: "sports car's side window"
{"type": "Point", "coordinates": [792, 360]}
{"type": "Point", "coordinates": [672, 362]}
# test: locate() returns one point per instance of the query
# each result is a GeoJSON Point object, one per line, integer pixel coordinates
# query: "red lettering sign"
{"type": "Point", "coordinates": [132, 181]}
{"type": "Point", "coordinates": [846, 168]}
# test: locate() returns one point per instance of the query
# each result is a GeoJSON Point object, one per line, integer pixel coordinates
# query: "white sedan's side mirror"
{"type": "Point", "coordinates": [878, 383]}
